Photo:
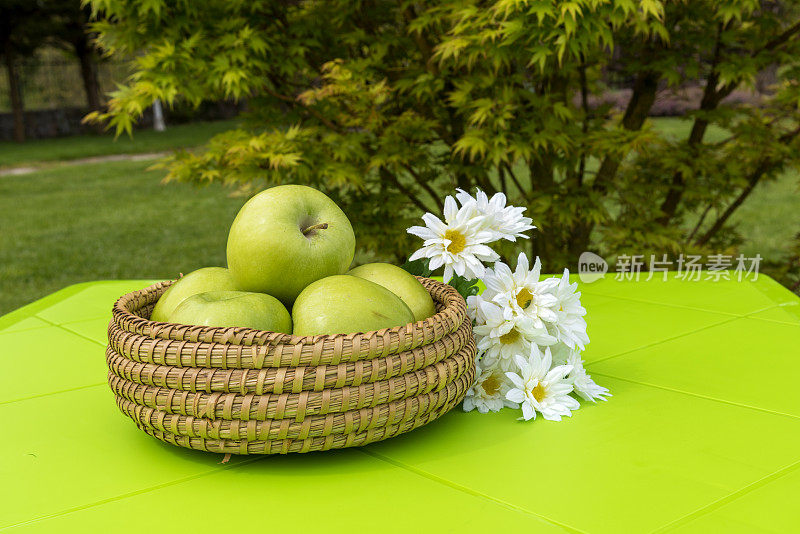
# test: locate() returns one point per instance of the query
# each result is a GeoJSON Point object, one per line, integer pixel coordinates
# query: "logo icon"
{"type": "Point", "coordinates": [591, 267]}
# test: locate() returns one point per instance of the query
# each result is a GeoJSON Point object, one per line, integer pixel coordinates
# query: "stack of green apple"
{"type": "Point", "coordinates": [290, 248]}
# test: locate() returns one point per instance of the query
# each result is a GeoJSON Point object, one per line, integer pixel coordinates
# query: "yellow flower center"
{"type": "Point", "coordinates": [512, 336]}
{"type": "Point", "coordinates": [457, 241]}
{"type": "Point", "coordinates": [491, 385]}
{"type": "Point", "coordinates": [538, 392]}
{"type": "Point", "coordinates": [524, 298]}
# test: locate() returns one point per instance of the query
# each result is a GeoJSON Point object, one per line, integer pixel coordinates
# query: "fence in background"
{"type": "Point", "coordinates": [55, 101]}
{"type": "Point", "coordinates": [56, 83]}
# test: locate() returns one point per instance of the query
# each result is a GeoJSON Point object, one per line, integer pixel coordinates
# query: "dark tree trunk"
{"type": "Point", "coordinates": [636, 112]}
{"type": "Point", "coordinates": [16, 96]}
{"type": "Point", "coordinates": [89, 74]}
{"type": "Point", "coordinates": [645, 88]}
{"type": "Point", "coordinates": [710, 101]}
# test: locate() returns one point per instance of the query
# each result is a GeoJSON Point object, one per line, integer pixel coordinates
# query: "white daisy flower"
{"type": "Point", "coordinates": [505, 222]}
{"type": "Point", "coordinates": [582, 383]}
{"type": "Point", "coordinates": [520, 293]}
{"type": "Point", "coordinates": [474, 308]}
{"type": "Point", "coordinates": [560, 353]}
{"type": "Point", "coordinates": [538, 388]}
{"type": "Point", "coordinates": [569, 323]}
{"type": "Point", "coordinates": [500, 339]}
{"type": "Point", "coordinates": [458, 243]}
{"type": "Point", "coordinates": [488, 393]}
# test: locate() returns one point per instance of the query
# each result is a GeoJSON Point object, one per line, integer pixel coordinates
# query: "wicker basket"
{"type": "Point", "coordinates": [245, 391]}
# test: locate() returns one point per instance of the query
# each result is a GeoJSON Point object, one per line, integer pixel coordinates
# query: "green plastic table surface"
{"type": "Point", "coordinates": [702, 435]}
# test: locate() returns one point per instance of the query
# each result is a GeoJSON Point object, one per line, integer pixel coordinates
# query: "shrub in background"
{"type": "Point", "coordinates": [390, 105]}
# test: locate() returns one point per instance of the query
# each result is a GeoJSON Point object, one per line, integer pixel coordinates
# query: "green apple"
{"type": "Point", "coordinates": [287, 237]}
{"type": "Point", "coordinates": [344, 304]}
{"type": "Point", "coordinates": [234, 308]}
{"type": "Point", "coordinates": [199, 281]}
{"type": "Point", "coordinates": [401, 283]}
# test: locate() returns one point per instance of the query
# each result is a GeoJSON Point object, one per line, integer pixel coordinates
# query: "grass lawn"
{"type": "Point", "coordinates": [63, 225]}
{"type": "Point", "coordinates": [679, 129]}
{"type": "Point", "coordinates": [770, 218]}
{"type": "Point", "coordinates": [65, 148]}
{"type": "Point", "coordinates": [104, 221]}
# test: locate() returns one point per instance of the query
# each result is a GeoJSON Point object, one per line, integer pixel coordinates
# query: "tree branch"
{"type": "Point", "coordinates": [514, 179]}
{"type": "Point", "coordinates": [771, 45]}
{"type": "Point", "coordinates": [386, 175]}
{"type": "Point", "coordinates": [753, 180]}
{"type": "Point", "coordinates": [486, 184]}
{"type": "Point", "coordinates": [586, 117]}
{"type": "Point", "coordinates": [779, 40]}
{"type": "Point", "coordinates": [421, 182]}
{"type": "Point", "coordinates": [422, 43]}
{"type": "Point", "coordinates": [501, 177]}
{"type": "Point", "coordinates": [311, 111]}
{"type": "Point", "coordinates": [699, 223]}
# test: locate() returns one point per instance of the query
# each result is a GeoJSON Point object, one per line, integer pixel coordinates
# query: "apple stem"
{"type": "Point", "coordinates": [320, 226]}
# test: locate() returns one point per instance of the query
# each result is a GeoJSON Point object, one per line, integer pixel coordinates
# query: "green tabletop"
{"type": "Point", "coordinates": [702, 435]}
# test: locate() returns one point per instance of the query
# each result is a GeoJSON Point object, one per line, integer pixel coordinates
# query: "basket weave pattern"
{"type": "Point", "coordinates": [244, 391]}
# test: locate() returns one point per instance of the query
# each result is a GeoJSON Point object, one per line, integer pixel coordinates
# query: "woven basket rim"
{"type": "Point", "coordinates": [122, 313]}
{"type": "Point", "coordinates": [200, 354]}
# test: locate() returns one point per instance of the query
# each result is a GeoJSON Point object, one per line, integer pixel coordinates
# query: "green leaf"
{"type": "Point", "coordinates": [464, 286]}
{"type": "Point", "coordinates": [418, 267]}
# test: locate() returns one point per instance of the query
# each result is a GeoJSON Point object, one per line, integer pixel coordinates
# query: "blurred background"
{"type": "Point", "coordinates": [132, 132]}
